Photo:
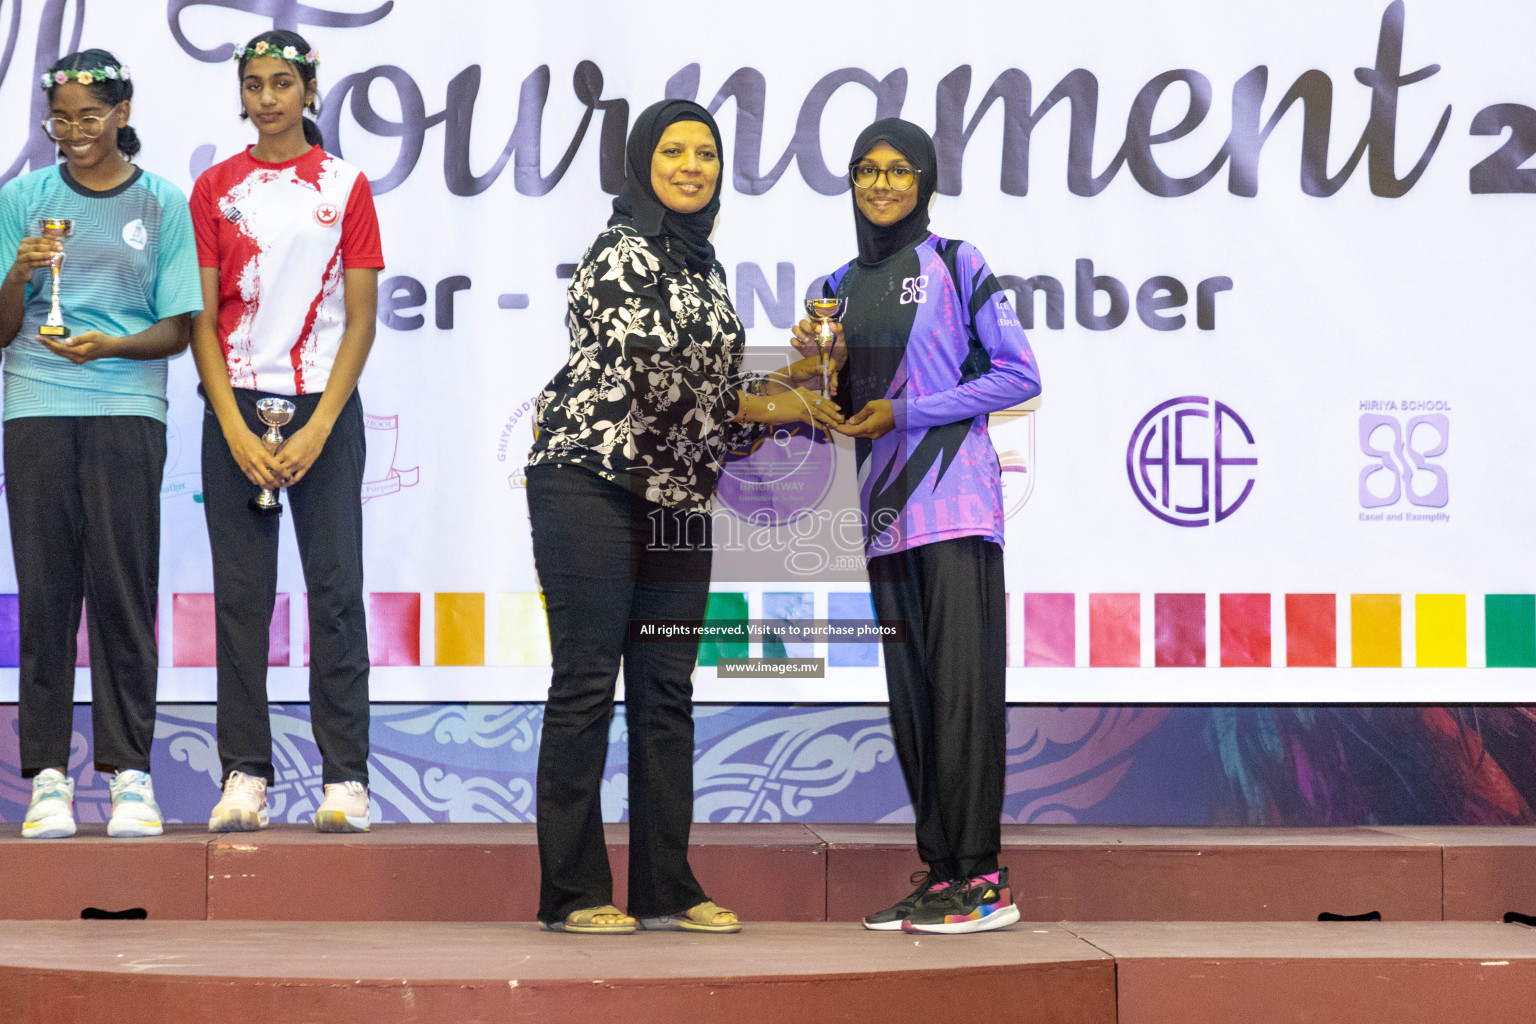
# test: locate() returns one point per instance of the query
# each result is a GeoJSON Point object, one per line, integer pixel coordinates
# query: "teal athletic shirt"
{"type": "Point", "coordinates": [131, 262]}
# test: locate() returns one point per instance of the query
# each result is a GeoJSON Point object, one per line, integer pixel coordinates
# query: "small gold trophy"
{"type": "Point", "coordinates": [825, 312]}
{"type": "Point", "coordinates": [55, 227]}
{"type": "Point", "coordinates": [274, 412]}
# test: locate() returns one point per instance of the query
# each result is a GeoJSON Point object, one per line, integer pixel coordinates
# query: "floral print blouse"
{"type": "Point", "coordinates": [647, 395]}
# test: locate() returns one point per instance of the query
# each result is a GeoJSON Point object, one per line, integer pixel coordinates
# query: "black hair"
{"type": "Point", "coordinates": [278, 40]}
{"type": "Point", "coordinates": [110, 91]}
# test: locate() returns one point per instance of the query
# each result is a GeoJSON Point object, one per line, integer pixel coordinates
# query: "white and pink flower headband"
{"type": "Point", "coordinates": [84, 77]}
{"type": "Point", "coordinates": [289, 53]}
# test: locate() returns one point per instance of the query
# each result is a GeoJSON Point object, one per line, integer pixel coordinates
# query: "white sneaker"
{"type": "Point", "coordinates": [134, 810]}
{"type": "Point", "coordinates": [345, 808]}
{"type": "Point", "coordinates": [243, 807]}
{"type": "Point", "coordinates": [51, 814]}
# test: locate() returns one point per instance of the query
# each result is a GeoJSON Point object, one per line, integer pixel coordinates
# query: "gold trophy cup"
{"type": "Point", "coordinates": [825, 312]}
{"type": "Point", "coordinates": [274, 412]}
{"type": "Point", "coordinates": [60, 228]}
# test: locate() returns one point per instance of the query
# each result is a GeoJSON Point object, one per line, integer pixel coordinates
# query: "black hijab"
{"type": "Point", "coordinates": [638, 206]}
{"type": "Point", "coordinates": [876, 243]}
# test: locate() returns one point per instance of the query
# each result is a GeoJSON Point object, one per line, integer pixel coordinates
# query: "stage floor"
{"type": "Point", "coordinates": [782, 872]}
{"type": "Point", "coordinates": [83, 972]}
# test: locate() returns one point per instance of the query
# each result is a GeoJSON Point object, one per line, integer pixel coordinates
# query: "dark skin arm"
{"type": "Point", "coordinates": [805, 343]}
{"type": "Point", "coordinates": [875, 420]}
{"type": "Point", "coordinates": [31, 255]}
{"type": "Point", "coordinates": [160, 340]}
{"type": "Point", "coordinates": [792, 395]}
{"type": "Point", "coordinates": [298, 453]}
{"type": "Point", "coordinates": [361, 296]}
{"type": "Point", "coordinates": [259, 465]}
{"type": "Point", "coordinates": [790, 406]}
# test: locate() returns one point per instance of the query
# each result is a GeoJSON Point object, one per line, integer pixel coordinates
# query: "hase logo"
{"type": "Point", "coordinates": [1185, 460]}
{"type": "Point", "coordinates": [327, 214]}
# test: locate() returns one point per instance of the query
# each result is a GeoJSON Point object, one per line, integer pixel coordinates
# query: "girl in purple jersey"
{"type": "Point", "coordinates": [930, 346]}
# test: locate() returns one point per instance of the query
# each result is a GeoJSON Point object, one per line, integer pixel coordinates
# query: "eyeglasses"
{"type": "Point", "coordinates": [60, 128]}
{"type": "Point", "coordinates": [899, 179]}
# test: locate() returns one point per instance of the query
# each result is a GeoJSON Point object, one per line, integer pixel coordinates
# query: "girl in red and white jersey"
{"type": "Point", "coordinates": [288, 243]}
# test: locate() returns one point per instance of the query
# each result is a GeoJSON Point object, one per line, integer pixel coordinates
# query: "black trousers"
{"type": "Point", "coordinates": [327, 511]}
{"type": "Point", "coordinates": [946, 682]}
{"type": "Point", "coordinates": [604, 557]}
{"type": "Point", "coordinates": [84, 497]}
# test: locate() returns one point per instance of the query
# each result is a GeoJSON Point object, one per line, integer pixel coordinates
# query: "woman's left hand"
{"type": "Point", "coordinates": [300, 451]}
{"type": "Point", "coordinates": [797, 406]}
{"type": "Point", "coordinates": [83, 347]}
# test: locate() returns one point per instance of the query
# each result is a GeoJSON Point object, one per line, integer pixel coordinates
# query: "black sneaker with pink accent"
{"type": "Point", "coordinates": [890, 919]}
{"type": "Point", "coordinates": [976, 905]}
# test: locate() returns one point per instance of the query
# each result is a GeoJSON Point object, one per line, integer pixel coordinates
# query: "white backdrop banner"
{"type": "Point", "coordinates": [1269, 257]}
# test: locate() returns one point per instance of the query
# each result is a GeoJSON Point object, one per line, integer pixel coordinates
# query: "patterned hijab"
{"type": "Point", "coordinates": [638, 205]}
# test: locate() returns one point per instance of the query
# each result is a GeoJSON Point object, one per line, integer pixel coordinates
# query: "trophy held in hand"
{"type": "Point", "coordinates": [60, 228]}
{"type": "Point", "coordinates": [274, 412]}
{"type": "Point", "coordinates": [825, 312]}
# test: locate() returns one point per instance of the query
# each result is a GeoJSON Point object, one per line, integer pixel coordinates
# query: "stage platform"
{"type": "Point", "coordinates": [83, 972]}
{"type": "Point", "coordinates": [781, 872]}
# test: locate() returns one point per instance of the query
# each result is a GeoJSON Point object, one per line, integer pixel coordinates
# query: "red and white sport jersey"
{"type": "Point", "coordinates": [280, 236]}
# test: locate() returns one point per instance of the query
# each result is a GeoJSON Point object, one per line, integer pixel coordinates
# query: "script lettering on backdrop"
{"type": "Point", "coordinates": [953, 130]}
{"type": "Point", "coordinates": [748, 88]}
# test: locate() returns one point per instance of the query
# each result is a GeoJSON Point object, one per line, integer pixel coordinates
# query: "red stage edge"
{"type": "Point", "coordinates": [782, 872]}
{"type": "Point", "coordinates": [190, 972]}
{"type": "Point", "coordinates": [83, 972]}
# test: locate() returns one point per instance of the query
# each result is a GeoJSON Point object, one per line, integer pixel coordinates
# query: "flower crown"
{"type": "Point", "coordinates": [289, 53]}
{"type": "Point", "coordinates": [102, 74]}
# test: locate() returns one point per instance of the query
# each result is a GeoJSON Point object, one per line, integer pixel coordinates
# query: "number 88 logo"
{"type": "Point", "coordinates": [1404, 459]}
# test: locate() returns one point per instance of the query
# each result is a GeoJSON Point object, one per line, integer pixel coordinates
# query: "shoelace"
{"type": "Point", "coordinates": [924, 881]}
{"type": "Point", "coordinates": [52, 788]}
{"type": "Point", "coordinates": [352, 788]}
{"type": "Point", "coordinates": [244, 783]}
{"type": "Point", "coordinates": [129, 783]}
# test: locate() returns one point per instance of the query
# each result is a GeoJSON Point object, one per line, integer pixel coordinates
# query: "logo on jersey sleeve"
{"type": "Point", "coordinates": [135, 235]}
{"type": "Point", "coordinates": [327, 214]}
{"type": "Point", "coordinates": [914, 290]}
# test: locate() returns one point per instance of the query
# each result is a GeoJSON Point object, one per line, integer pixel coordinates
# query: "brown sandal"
{"type": "Point", "coordinates": [705, 917]}
{"type": "Point", "coordinates": [605, 920]}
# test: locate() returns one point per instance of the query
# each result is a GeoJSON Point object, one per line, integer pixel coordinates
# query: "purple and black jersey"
{"type": "Point", "coordinates": [930, 329]}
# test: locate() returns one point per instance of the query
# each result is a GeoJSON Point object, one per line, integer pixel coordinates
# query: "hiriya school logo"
{"type": "Point", "coordinates": [1013, 435]}
{"type": "Point", "coordinates": [380, 477]}
{"type": "Point", "coordinates": [327, 214]}
{"type": "Point", "coordinates": [135, 235]}
{"type": "Point", "coordinates": [1188, 457]}
{"type": "Point", "coordinates": [1401, 450]}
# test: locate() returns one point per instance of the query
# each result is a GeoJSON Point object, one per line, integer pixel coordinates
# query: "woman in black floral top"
{"type": "Point", "coordinates": [632, 432]}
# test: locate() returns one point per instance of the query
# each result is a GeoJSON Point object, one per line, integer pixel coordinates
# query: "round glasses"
{"type": "Point", "coordinates": [60, 128]}
{"type": "Point", "coordinates": [898, 179]}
